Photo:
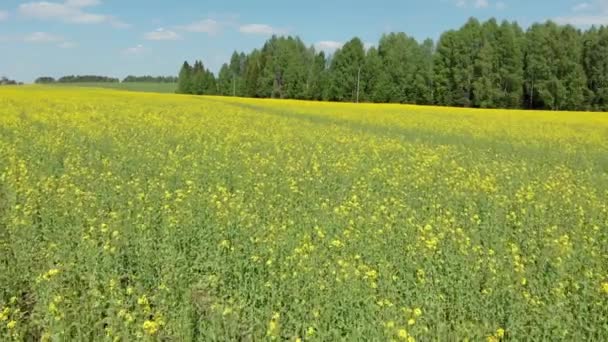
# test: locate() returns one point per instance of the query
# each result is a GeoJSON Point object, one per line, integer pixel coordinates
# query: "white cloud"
{"type": "Point", "coordinates": [162, 34]}
{"type": "Point", "coordinates": [481, 3]}
{"type": "Point", "coordinates": [3, 15]}
{"type": "Point", "coordinates": [71, 11]}
{"type": "Point", "coordinates": [209, 26]}
{"type": "Point", "coordinates": [42, 37]}
{"type": "Point", "coordinates": [583, 20]}
{"type": "Point", "coordinates": [328, 45]}
{"type": "Point", "coordinates": [82, 3]}
{"type": "Point", "coordinates": [586, 14]}
{"type": "Point", "coordinates": [135, 50]}
{"type": "Point", "coordinates": [261, 29]}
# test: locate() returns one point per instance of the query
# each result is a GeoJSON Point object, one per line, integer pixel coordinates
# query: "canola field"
{"type": "Point", "coordinates": [132, 216]}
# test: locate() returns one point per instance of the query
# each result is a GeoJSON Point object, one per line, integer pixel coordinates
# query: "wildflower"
{"type": "Point", "coordinates": [500, 332]}
{"type": "Point", "coordinates": [143, 300]}
{"type": "Point", "coordinates": [273, 325]}
{"type": "Point", "coordinates": [605, 287]}
{"type": "Point", "coordinates": [11, 325]}
{"type": "Point", "coordinates": [411, 321]}
{"type": "Point", "coordinates": [150, 327]}
{"type": "Point", "coordinates": [50, 274]}
{"type": "Point", "coordinates": [402, 333]}
{"type": "Point", "coordinates": [4, 314]}
{"type": "Point", "coordinates": [417, 312]}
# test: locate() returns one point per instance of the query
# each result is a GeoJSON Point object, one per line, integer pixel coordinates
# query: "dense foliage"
{"type": "Point", "coordinates": [146, 217]}
{"type": "Point", "coordinates": [487, 65]}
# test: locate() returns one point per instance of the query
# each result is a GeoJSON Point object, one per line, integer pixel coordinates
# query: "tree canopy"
{"type": "Point", "coordinates": [487, 64]}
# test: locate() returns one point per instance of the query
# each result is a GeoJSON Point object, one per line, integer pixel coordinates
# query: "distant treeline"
{"type": "Point", "coordinates": [486, 65]}
{"type": "Point", "coordinates": [6, 81]}
{"type": "Point", "coordinates": [77, 79]}
{"type": "Point", "coordinates": [150, 79]}
{"type": "Point", "coordinates": [105, 79]}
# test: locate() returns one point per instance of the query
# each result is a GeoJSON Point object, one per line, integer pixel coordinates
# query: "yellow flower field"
{"type": "Point", "coordinates": [129, 216]}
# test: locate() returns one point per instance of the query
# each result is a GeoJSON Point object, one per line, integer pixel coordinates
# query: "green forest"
{"type": "Point", "coordinates": [487, 64]}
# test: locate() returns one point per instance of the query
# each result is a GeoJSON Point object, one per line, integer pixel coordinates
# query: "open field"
{"type": "Point", "coordinates": [131, 86]}
{"type": "Point", "coordinates": [130, 215]}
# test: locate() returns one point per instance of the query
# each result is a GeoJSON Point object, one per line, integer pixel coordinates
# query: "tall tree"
{"type": "Point", "coordinates": [184, 83]}
{"type": "Point", "coordinates": [252, 74]}
{"type": "Point", "coordinates": [198, 78]}
{"type": "Point", "coordinates": [499, 68]}
{"type": "Point", "coordinates": [555, 78]}
{"type": "Point", "coordinates": [595, 64]}
{"type": "Point", "coordinates": [345, 70]}
{"type": "Point", "coordinates": [401, 59]}
{"type": "Point", "coordinates": [423, 81]}
{"type": "Point", "coordinates": [375, 79]}
{"type": "Point", "coordinates": [317, 77]}
{"type": "Point", "coordinates": [224, 81]}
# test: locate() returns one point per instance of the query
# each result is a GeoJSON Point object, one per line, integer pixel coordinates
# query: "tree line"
{"type": "Point", "coordinates": [482, 64]}
{"type": "Point", "coordinates": [6, 81]}
{"type": "Point", "coordinates": [105, 79]}
{"type": "Point", "coordinates": [76, 79]}
{"type": "Point", "coordinates": [149, 79]}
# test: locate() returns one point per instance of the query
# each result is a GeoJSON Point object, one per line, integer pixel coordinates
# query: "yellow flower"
{"type": "Point", "coordinates": [411, 321]}
{"type": "Point", "coordinates": [605, 287]}
{"type": "Point", "coordinates": [51, 273]}
{"type": "Point", "coordinates": [143, 300]}
{"type": "Point", "coordinates": [417, 312]}
{"type": "Point", "coordinates": [273, 325]}
{"type": "Point", "coordinates": [11, 325]}
{"type": "Point", "coordinates": [500, 333]}
{"type": "Point", "coordinates": [4, 314]}
{"type": "Point", "coordinates": [402, 333]}
{"type": "Point", "coordinates": [129, 318]}
{"type": "Point", "coordinates": [150, 327]}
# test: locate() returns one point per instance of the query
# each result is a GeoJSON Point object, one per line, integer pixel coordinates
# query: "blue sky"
{"type": "Point", "coordinates": [120, 37]}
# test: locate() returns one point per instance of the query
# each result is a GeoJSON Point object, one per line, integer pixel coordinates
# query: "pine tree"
{"type": "Point", "coordinates": [198, 78]}
{"type": "Point", "coordinates": [184, 82]}
{"type": "Point", "coordinates": [224, 81]}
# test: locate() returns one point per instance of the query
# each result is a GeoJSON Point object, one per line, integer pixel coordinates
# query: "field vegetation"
{"type": "Point", "coordinates": [128, 216]}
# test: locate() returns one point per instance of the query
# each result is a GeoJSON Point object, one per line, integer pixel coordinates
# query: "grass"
{"type": "Point", "coordinates": [171, 217]}
{"type": "Point", "coordinates": [130, 86]}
